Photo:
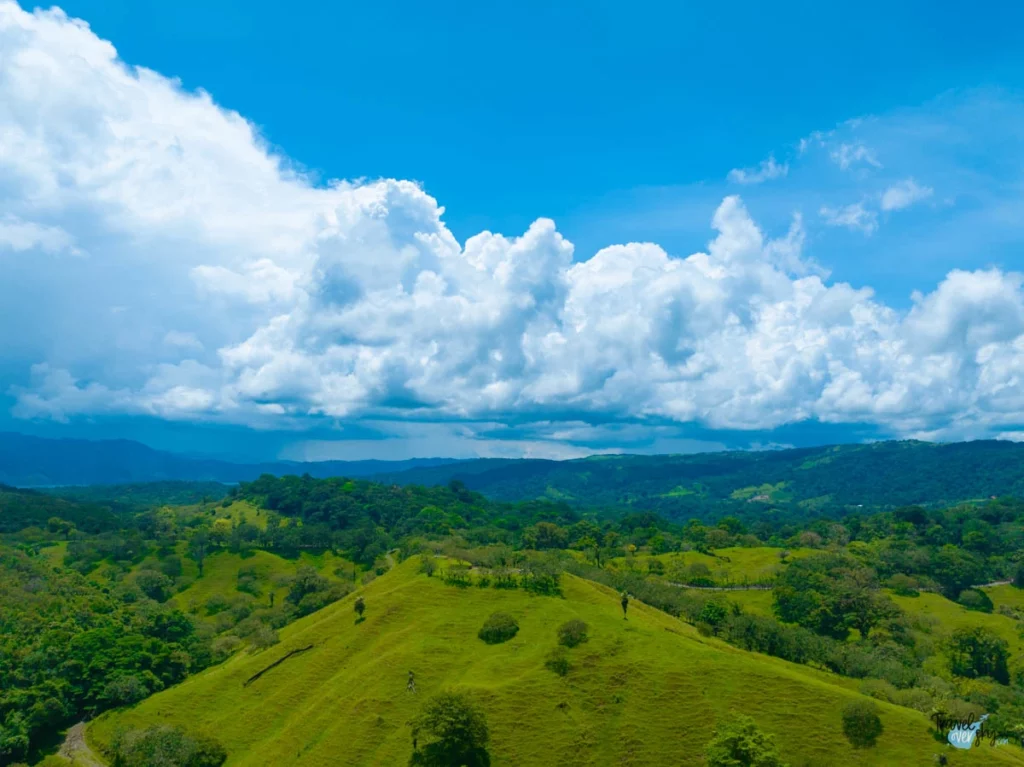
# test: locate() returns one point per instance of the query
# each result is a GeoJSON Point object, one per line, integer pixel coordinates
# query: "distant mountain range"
{"type": "Point", "coordinates": [818, 479]}
{"type": "Point", "coordinates": [36, 462]}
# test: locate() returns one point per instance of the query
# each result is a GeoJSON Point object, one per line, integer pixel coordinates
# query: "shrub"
{"type": "Point", "coordinates": [126, 689]}
{"type": "Point", "coordinates": [428, 564]}
{"type": "Point", "coordinates": [500, 627]}
{"type": "Point", "coordinates": [224, 647]}
{"type": "Point", "coordinates": [217, 603]}
{"type": "Point", "coordinates": [914, 698]}
{"type": "Point", "coordinates": [572, 633]}
{"type": "Point", "coordinates": [558, 662]}
{"type": "Point", "coordinates": [879, 689]}
{"type": "Point", "coordinates": [263, 637]}
{"type": "Point", "coordinates": [904, 586]}
{"type": "Point", "coordinates": [976, 599]}
{"type": "Point", "coordinates": [861, 723]}
{"type": "Point", "coordinates": [249, 582]}
{"type": "Point", "coordinates": [165, 745]}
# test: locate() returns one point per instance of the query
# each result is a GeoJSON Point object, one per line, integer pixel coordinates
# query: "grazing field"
{"type": "Point", "coordinates": [643, 691]}
{"type": "Point", "coordinates": [948, 616]}
{"type": "Point", "coordinates": [221, 574]}
{"type": "Point", "coordinates": [732, 565]}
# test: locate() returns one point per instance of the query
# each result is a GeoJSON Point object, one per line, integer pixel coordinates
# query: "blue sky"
{"type": "Point", "coordinates": [870, 145]}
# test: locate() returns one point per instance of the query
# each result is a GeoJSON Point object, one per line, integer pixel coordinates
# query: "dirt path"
{"type": "Point", "coordinates": [721, 588]}
{"type": "Point", "coordinates": [77, 751]}
{"type": "Point", "coordinates": [390, 559]}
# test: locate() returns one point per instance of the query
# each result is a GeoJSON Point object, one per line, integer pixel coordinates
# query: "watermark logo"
{"type": "Point", "coordinates": [968, 733]}
{"type": "Point", "coordinates": [964, 734]}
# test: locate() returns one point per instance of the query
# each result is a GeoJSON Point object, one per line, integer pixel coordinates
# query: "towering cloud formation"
{"type": "Point", "coordinates": [157, 258]}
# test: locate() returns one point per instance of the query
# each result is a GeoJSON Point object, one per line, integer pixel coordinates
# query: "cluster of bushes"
{"type": "Point", "coordinates": [501, 627]}
{"type": "Point", "coordinates": [165, 745]}
{"type": "Point", "coordinates": [537, 574]}
{"type": "Point", "coordinates": [247, 618]}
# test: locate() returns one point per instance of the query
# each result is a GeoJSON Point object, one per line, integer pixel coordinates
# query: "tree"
{"type": "Point", "coordinates": [713, 614]}
{"type": "Point", "coordinates": [978, 652]}
{"type": "Point", "coordinates": [861, 723]}
{"type": "Point", "coordinates": [956, 570]}
{"type": "Point", "coordinates": [459, 729]}
{"type": "Point", "coordinates": [154, 585]}
{"type": "Point", "coordinates": [1018, 576]}
{"type": "Point", "coordinates": [198, 546]}
{"type": "Point", "coordinates": [428, 564]}
{"type": "Point", "coordinates": [739, 742]}
{"type": "Point", "coordinates": [588, 544]}
{"type": "Point", "coordinates": [360, 606]}
{"type": "Point", "coordinates": [830, 594]}
{"type": "Point", "coordinates": [306, 581]}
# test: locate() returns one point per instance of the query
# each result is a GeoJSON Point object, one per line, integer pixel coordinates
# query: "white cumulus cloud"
{"type": "Point", "coordinates": [221, 284]}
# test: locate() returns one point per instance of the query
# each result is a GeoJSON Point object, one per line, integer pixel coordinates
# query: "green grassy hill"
{"type": "Point", "coordinates": [647, 691]}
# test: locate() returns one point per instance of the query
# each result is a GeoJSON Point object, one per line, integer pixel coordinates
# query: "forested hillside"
{"type": "Point", "coordinates": [817, 480]}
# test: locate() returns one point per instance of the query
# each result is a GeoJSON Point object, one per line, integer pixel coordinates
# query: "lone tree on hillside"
{"type": "Point", "coordinates": [459, 731]}
{"type": "Point", "coordinates": [498, 628]}
{"type": "Point", "coordinates": [198, 546]}
{"type": "Point", "coordinates": [625, 604]}
{"type": "Point", "coordinates": [360, 606]}
{"type": "Point", "coordinates": [739, 742]}
{"type": "Point", "coordinates": [861, 723]}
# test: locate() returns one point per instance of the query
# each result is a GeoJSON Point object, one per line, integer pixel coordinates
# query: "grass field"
{"type": "Point", "coordinates": [733, 565]}
{"type": "Point", "coordinates": [1006, 595]}
{"type": "Point", "coordinates": [647, 691]}
{"type": "Point", "coordinates": [950, 616]}
{"type": "Point", "coordinates": [220, 574]}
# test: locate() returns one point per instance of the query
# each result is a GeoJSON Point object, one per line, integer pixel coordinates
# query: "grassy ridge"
{"type": "Point", "coordinates": [647, 691]}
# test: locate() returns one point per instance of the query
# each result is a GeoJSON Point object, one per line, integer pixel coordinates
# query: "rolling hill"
{"type": "Point", "coordinates": [640, 692]}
